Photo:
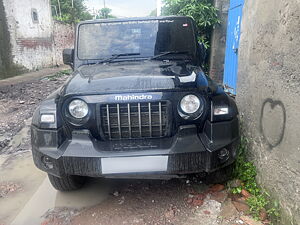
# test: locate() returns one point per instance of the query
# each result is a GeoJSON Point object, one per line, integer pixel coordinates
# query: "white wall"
{"type": "Point", "coordinates": [32, 43]}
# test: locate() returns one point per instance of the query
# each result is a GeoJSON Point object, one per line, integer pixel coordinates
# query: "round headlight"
{"type": "Point", "coordinates": [190, 104]}
{"type": "Point", "coordinates": [78, 109]}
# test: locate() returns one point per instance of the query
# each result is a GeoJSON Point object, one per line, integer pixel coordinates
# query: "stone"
{"type": "Point", "coordinates": [219, 196]}
{"type": "Point", "coordinates": [237, 198]}
{"type": "Point", "coordinates": [263, 215]}
{"type": "Point", "coordinates": [228, 210]}
{"type": "Point", "coordinates": [200, 196]}
{"type": "Point", "coordinates": [235, 183]}
{"type": "Point", "coordinates": [245, 193]}
{"type": "Point", "coordinates": [170, 214]}
{"type": "Point", "coordinates": [197, 202]}
{"type": "Point", "coordinates": [216, 188]}
{"type": "Point", "coordinates": [206, 212]}
{"type": "Point", "coordinates": [189, 200]}
{"type": "Point", "coordinates": [241, 207]}
{"type": "Point", "coordinates": [116, 194]}
{"type": "Point", "coordinates": [250, 221]}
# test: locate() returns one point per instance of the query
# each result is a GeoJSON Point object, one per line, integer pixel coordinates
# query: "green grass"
{"type": "Point", "coordinates": [59, 74]}
{"type": "Point", "coordinates": [246, 172]}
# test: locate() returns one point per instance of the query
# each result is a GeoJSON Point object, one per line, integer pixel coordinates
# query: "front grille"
{"type": "Point", "coordinates": [135, 120]}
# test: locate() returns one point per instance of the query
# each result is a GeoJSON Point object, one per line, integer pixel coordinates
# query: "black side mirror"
{"type": "Point", "coordinates": [202, 53]}
{"type": "Point", "coordinates": [68, 57]}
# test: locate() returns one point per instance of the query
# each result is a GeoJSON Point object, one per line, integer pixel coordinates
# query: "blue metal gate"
{"type": "Point", "coordinates": [232, 45]}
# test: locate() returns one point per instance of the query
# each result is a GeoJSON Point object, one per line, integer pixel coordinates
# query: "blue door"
{"type": "Point", "coordinates": [232, 45]}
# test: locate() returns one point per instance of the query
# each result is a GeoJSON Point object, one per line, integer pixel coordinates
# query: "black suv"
{"type": "Point", "coordinates": [137, 105]}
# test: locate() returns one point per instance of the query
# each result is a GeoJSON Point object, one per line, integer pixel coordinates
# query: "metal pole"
{"type": "Point", "coordinates": [104, 3]}
{"type": "Point", "coordinates": [58, 2]}
{"type": "Point", "coordinates": [73, 13]}
{"type": "Point", "coordinates": [55, 8]}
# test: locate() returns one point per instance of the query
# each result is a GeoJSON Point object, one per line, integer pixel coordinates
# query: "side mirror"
{"type": "Point", "coordinates": [202, 53]}
{"type": "Point", "coordinates": [68, 57]}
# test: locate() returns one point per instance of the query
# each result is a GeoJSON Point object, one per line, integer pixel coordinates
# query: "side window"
{"type": "Point", "coordinates": [34, 16]}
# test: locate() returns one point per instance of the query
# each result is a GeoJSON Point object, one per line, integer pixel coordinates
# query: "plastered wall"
{"type": "Point", "coordinates": [268, 97]}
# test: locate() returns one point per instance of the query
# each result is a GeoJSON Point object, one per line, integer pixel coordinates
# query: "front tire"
{"type": "Point", "coordinates": [66, 183]}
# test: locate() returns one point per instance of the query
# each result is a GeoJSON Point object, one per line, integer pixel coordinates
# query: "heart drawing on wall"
{"type": "Point", "coordinates": [272, 121]}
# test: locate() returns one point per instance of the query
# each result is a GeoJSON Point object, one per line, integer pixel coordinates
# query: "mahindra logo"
{"type": "Point", "coordinates": [132, 97]}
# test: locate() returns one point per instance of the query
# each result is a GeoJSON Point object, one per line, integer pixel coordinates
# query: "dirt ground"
{"type": "Point", "coordinates": [17, 104]}
{"type": "Point", "coordinates": [26, 196]}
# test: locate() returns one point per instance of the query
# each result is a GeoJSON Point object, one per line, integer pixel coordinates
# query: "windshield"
{"type": "Point", "coordinates": [146, 38]}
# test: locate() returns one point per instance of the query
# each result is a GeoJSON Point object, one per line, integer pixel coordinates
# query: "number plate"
{"type": "Point", "coordinates": [140, 164]}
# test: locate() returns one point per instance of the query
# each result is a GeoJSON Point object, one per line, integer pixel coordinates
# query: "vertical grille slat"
{"type": "Point", "coordinates": [129, 121]}
{"type": "Point", "coordinates": [119, 121]}
{"type": "Point", "coordinates": [160, 118]}
{"type": "Point", "coordinates": [150, 119]}
{"type": "Point", "coordinates": [108, 122]}
{"type": "Point", "coordinates": [134, 120]}
{"type": "Point", "coordinates": [140, 119]}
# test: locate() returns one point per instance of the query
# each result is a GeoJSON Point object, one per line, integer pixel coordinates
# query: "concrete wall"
{"type": "Point", "coordinates": [268, 96]}
{"type": "Point", "coordinates": [218, 42]}
{"type": "Point", "coordinates": [29, 44]}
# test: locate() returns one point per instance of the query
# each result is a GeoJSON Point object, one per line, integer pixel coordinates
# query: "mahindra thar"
{"type": "Point", "coordinates": [137, 105]}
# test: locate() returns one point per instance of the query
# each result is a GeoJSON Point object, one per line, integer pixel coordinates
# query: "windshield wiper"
{"type": "Point", "coordinates": [113, 57]}
{"type": "Point", "coordinates": [109, 59]}
{"type": "Point", "coordinates": [169, 53]}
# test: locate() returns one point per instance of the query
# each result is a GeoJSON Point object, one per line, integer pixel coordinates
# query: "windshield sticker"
{"type": "Point", "coordinates": [134, 22]}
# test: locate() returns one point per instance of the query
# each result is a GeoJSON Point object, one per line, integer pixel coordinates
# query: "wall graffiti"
{"type": "Point", "coordinates": [272, 122]}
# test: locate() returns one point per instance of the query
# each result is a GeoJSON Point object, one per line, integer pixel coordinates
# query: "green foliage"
{"type": "Point", "coordinates": [105, 13]}
{"type": "Point", "coordinates": [202, 11]}
{"type": "Point", "coordinates": [246, 172]}
{"type": "Point", "coordinates": [256, 204]}
{"type": "Point", "coordinates": [70, 14]}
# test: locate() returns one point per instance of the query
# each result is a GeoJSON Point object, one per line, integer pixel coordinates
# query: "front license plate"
{"type": "Point", "coordinates": [140, 164]}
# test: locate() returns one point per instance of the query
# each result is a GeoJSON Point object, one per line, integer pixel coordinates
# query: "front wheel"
{"type": "Point", "coordinates": [66, 183]}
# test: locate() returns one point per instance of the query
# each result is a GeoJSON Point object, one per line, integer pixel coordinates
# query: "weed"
{"type": "Point", "coordinates": [246, 172]}
{"type": "Point", "coordinates": [58, 75]}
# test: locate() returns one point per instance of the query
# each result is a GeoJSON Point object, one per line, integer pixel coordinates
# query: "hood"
{"type": "Point", "coordinates": [133, 77]}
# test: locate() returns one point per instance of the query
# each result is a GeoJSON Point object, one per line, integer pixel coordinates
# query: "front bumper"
{"type": "Point", "coordinates": [188, 151]}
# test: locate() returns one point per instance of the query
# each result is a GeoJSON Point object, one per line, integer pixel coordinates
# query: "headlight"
{"type": "Point", "coordinates": [78, 109]}
{"type": "Point", "coordinates": [190, 104]}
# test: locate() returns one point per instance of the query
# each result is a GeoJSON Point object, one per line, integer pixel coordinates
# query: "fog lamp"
{"type": "Point", "coordinates": [223, 154]}
{"type": "Point", "coordinates": [47, 118]}
{"type": "Point", "coordinates": [47, 162]}
{"type": "Point", "coordinates": [220, 111]}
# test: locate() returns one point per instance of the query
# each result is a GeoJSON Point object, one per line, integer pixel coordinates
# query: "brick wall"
{"type": "Point", "coordinates": [63, 38]}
